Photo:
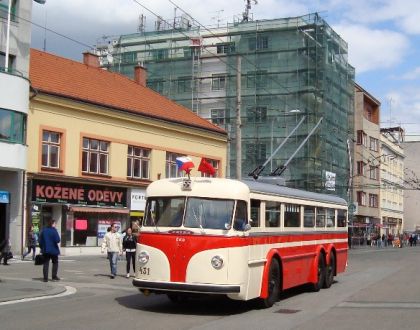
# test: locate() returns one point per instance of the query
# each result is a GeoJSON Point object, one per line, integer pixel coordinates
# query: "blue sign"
{"type": "Point", "coordinates": [4, 197]}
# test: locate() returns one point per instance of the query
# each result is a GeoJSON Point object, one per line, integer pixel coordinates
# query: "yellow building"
{"type": "Point", "coordinates": [96, 139]}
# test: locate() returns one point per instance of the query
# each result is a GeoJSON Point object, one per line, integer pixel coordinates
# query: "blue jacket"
{"type": "Point", "coordinates": [48, 241]}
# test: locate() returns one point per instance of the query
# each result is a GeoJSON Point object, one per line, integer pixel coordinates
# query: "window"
{"type": "Point", "coordinates": [272, 214]}
{"type": "Point", "coordinates": [320, 217]}
{"type": "Point", "coordinates": [330, 218]}
{"type": "Point", "coordinates": [184, 85]}
{"type": "Point", "coordinates": [341, 218]}
{"type": "Point", "coordinates": [12, 126]}
{"type": "Point", "coordinates": [374, 172]}
{"type": "Point", "coordinates": [160, 54]}
{"type": "Point", "coordinates": [218, 116]}
{"type": "Point", "coordinates": [255, 212]}
{"type": "Point", "coordinates": [309, 217]}
{"type": "Point", "coordinates": [258, 43]}
{"type": "Point", "coordinates": [373, 200]}
{"type": "Point", "coordinates": [156, 85]}
{"type": "Point", "coordinates": [227, 48]}
{"type": "Point", "coordinates": [4, 8]}
{"type": "Point", "coordinates": [208, 213]}
{"type": "Point", "coordinates": [256, 79]}
{"type": "Point", "coordinates": [95, 156]}
{"type": "Point", "coordinates": [291, 215]}
{"type": "Point", "coordinates": [171, 170]}
{"type": "Point", "coordinates": [218, 82]}
{"type": "Point", "coordinates": [241, 216]}
{"type": "Point", "coordinates": [257, 114]}
{"type": "Point", "coordinates": [138, 160]}
{"type": "Point", "coordinates": [361, 168]}
{"type": "Point", "coordinates": [12, 62]}
{"type": "Point", "coordinates": [215, 165]}
{"type": "Point", "coordinates": [256, 152]}
{"type": "Point", "coordinates": [373, 144]}
{"type": "Point", "coordinates": [361, 198]}
{"type": "Point", "coordinates": [361, 138]}
{"type": "Point", "coordinates": [51, 146]}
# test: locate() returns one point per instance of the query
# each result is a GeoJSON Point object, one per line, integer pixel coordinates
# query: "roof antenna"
{"type": "Point", "coordinates": [245, 14]}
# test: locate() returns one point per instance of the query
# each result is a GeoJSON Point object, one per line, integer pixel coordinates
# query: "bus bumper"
{"type": "Point", "coordinates": [162, 287]}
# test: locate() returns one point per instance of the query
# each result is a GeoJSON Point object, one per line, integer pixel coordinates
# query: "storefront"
{"type": "Point", "coordinates": [4, 209]}
{"type": "Point", "coordinates": [83, 212]}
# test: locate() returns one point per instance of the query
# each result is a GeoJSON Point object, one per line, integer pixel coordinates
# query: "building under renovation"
{"type": "Point", "coordinates": [291, 70]}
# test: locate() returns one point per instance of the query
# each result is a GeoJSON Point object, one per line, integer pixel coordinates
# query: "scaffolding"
{"type": "Point", "coordinates": [290, 67]}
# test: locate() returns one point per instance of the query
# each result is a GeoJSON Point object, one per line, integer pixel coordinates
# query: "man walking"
{"type": "Point", "coordinates": [48, 242]}
{"type": "Point", "coordinates": [113, 244]}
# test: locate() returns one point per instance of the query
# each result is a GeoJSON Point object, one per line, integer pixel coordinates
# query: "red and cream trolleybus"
{"type": "Point", "coordinates": [244, 239]}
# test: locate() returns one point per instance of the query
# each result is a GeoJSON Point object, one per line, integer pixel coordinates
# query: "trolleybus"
{"type": "Point", "coordinates": [243, 239]}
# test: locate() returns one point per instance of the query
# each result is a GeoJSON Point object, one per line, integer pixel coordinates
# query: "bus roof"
{"type": "Point", "coordinates": [233, 189]}
{"type": "Point", "coordinates": [279, 190]}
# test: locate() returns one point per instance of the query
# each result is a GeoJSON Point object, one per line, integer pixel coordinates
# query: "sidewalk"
{"type": "Point", "coordinates": [12, 289]}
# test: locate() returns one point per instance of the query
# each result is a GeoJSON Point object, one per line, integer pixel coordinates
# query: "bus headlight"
{"type": "Point", "coordinates": [217, 262]}
{"type": "Point", "coordinates": [143, 257]}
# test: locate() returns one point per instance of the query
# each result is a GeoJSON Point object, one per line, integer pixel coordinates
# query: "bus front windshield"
{"type": "Point", "coordinates": [193, 212]}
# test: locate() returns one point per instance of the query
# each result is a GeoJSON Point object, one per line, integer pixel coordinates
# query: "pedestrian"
{"type": "Point", "coordinates": [32, 242]}
{"type": "Point", "coordinates": [48, 242]}
{"type": "Point", "coordinates": [129, 246]}
{"type": "Point", "coordinates": [5, 252]}
{"type": "Point", "coordinates": [113, 244]}
{"type": "Point", "coordinates": [383, 240]}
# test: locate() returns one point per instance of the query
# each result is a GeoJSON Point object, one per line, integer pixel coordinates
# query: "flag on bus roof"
{"type": "Point", "coordinates": [206, 167]}
{"type": "Point", "coordinates": [184, 163]}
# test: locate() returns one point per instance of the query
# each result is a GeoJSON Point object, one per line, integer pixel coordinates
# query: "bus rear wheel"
{"type": "Point", "coordinates": [329, 276]}
{"type": "Point", "coordinates": [273, 285]}
{"type": "Point", "coordinates": [320, 274]}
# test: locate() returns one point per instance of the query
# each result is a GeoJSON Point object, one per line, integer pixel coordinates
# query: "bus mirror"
{"type": "Point", "coordinates": [247, 227]}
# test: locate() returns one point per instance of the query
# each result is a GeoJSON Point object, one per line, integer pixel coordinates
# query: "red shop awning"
{"type": "Point", "coordinates": [87, 209]}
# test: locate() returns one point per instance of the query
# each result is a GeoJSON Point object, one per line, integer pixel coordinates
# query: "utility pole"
{"type": "Point", "coordinates": [238, 120]}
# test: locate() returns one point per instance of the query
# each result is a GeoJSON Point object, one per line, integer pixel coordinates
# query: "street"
{"type": "Point", "coordinates": [380, 290]}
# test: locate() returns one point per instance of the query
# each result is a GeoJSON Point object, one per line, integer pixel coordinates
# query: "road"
{"type": "Point", "coordinates": [380, 290]}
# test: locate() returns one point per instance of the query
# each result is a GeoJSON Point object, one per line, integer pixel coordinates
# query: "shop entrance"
{"type": "Point", "coordinates": [3, 221]}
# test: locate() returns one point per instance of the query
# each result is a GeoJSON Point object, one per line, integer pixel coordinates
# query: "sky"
{"type": "Point", "coordinates": [383, 37]}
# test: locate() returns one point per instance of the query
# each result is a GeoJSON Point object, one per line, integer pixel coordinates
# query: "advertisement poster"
{"type": "Point", "coordinates": [103, 226]}
{"type": "Point", "coordinates": [329, 180]}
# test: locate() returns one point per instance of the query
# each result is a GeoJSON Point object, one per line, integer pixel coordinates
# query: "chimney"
{"type": "Point", "coordinates": [91, 60]}
{"type": "Point", "coordinates": [140, 75]}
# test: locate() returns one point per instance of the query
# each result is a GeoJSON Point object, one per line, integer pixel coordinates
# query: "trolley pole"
{"type": "Point", "coordinates": [238, 120]}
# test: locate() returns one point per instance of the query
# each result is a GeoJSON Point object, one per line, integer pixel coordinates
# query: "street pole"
{"type": "Point", "coordinates": [238, 120]}
{"type": "Point", "coordinates": [6, 63]}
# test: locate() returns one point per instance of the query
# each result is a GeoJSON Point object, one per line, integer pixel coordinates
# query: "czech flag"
{"type": "Point", "coordinates": [184, 163]}
{"type": "Point", "coordinates": [205, 167]}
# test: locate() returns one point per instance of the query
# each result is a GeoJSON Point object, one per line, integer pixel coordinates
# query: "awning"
{"type": "Point", "coordinates": [87, 209]}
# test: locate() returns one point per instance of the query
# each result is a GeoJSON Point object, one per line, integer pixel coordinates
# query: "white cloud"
{"type": "Point", "coordinates": [412, 75]}
{"type": "Point", "coordinates": [372, 49]}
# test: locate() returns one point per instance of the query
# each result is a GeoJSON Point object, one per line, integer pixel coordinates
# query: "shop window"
{"type": "Point", "coordinates": [95, 156]}
{"type": "Point", "coordinates": [215, 165]}
{"type": "Point", "coordinates": [138, 163]}
{"type": "Point", "coordinates": [51, 148]}
{"type": "Point", "coordinates": [171, 170]}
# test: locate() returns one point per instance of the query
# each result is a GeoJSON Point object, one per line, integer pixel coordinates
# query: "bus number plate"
{"type": "Point", "coordinates": [144, 270]}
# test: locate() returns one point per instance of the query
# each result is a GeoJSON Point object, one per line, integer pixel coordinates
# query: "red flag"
{"type": "Point", "coordinates": [205, 167]}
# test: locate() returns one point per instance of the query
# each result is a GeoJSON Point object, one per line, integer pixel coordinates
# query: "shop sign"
{"type": "Point", "coordinates": [77, 194]}
{"type": "Point", "coordinates": [4, 197]}
{"type": "Point", "coordinates": [138, 199]}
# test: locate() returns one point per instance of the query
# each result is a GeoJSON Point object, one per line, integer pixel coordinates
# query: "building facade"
{"type": "Point", "coordinates": [412, 182]}
{"type": "Point", "coordinates": [96, 140]}
{"type": "Point", "coordinates": [392, 180]}
{"type": "Point", "coordinates": [366, 164]}
{"type": "Point", "coordinates": [287, 68]}
{"type": "Point", "coordinates": [15, 38]}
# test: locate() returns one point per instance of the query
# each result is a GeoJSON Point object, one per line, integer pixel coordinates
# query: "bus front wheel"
{"type": "Point", "coordinates": [273, 285]}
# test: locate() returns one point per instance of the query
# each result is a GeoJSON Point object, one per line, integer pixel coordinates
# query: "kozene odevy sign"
{"type": "Point", "coordinates": [79, 194]}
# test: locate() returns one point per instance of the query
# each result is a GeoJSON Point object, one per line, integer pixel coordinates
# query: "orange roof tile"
{"type": "Point", "coordinates": [59, 76]}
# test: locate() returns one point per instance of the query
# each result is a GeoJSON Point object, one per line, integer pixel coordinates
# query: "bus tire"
{"type": "Point", "coordinates": [330, 270]}
{"type": "Point", "coordinates": [320, 274]}
{"type": "Point", "coordinates": [273, 285]}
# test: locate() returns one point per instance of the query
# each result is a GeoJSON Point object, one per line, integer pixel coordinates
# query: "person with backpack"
{"type": "Point", "coordinates": [32, 242]}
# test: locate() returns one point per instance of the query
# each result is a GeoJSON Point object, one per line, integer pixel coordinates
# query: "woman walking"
{"type": "Point", "coordinates": [32, 242]}
{"type": "Point", "coordinates": [129, 246]}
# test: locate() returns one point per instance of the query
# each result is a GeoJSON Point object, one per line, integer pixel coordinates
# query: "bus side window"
{"type": "Point", "coordinates": [241, 216]}
{"type": "Point", "coordinates": [341, 218]}
{"type": "Point", "coordinates": [320, 217]}
{"type": "Point", "coordinates": [309, 217]}
{"type": "Point", "coordinates": [291, 215]}
{"type": "Point", "coordinates": [272, 214]}
{"type": "Point", "coordinates": [330, 218]}
{"type": "Point", "coordinates": [255, 212]}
